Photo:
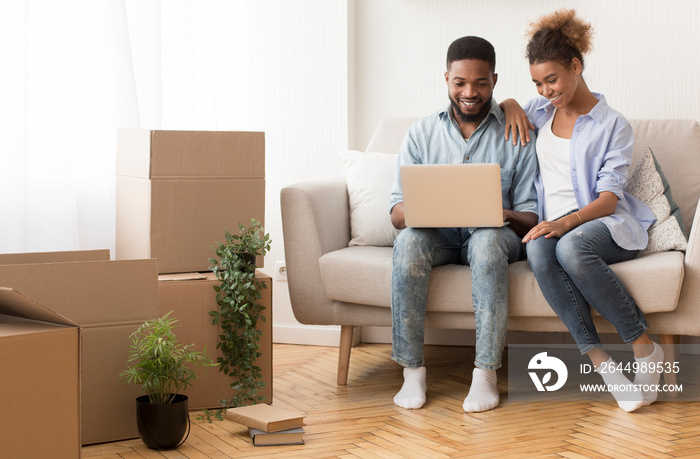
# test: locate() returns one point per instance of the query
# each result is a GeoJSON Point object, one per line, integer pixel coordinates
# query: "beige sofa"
{"type": "Point", "coordinates": [331, 283]}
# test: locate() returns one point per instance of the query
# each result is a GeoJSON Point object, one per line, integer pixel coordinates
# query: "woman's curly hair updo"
{"type": "Point", "coordinates": [560, 37]}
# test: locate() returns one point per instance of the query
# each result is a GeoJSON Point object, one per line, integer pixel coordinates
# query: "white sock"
{"type": "Point", "coordinates": [412, 393]}
{"type": "Point", "coordinates": [627, 395]}
{"type": "Point", "coordinates": [648, 373]}
{"type": "Point", "coordinates": [483, 393]}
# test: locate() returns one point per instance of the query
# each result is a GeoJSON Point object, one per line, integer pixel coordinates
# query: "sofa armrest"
{"type": "Point", "coordinates": [691, 281]}
{"type": "Point", "coordinates": [685, 320]}
{"type": "Point", "coordinates": [315, 221]}
{"type": "Point", "coordinates": [692, 254]}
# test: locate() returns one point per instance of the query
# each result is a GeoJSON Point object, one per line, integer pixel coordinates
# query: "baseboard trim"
{"type": "Point", "coordinates": [312, 335]}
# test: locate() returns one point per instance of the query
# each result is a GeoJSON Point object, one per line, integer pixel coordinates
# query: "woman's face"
{"type": "Point", "coordinates": [555, 81]}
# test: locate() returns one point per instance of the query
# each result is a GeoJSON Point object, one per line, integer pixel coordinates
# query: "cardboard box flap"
{"type": "Point", "coordinates": [90, 292]}
{"type": "Point", "coordinates": [13, 303]}
{"type": "Point", "coordinates": [54, 257]}
{"type": "Point", "coordinates": [190, 154]}
{"type": "Point", "coordinates": [185, 276]}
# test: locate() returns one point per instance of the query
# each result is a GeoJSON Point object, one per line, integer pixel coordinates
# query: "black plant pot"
{"type": "Point", "coordinates": [163, 426]}
{"type": "Point", "coordinates": [249, 261]}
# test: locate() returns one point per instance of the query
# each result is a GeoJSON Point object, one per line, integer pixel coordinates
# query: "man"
{"type": "Point", "coordinates": [469, 130]}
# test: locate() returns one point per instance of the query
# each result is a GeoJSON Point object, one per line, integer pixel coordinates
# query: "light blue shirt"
{"type": "Point", "coordinates": [437, 139]}
{"type": "Point", "coordinates": [600, 154]}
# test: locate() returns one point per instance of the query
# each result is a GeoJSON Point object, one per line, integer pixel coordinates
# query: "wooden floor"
{"type": "Point", "coordinates": [360, 420]}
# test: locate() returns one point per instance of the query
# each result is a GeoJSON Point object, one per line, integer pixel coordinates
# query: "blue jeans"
{"type": "Point", "coordinates": [574, 276]}
{"type": "Point", "coordinates": [487, 251]}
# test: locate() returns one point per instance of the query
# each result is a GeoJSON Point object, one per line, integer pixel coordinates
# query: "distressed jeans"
{"type": "Point", "coordinates": [487, 251]}
{"type": "Point", "coordinates": [574, 275]}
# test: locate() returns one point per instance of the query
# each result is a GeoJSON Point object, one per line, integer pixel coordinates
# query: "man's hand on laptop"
{"type": "Point", "coordinates": [520, 222]}
{"type": "Point", "coordinates": [397, 218]}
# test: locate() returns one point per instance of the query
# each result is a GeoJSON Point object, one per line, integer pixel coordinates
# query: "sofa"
{"type": "Point", "coordinates": [335, 280]}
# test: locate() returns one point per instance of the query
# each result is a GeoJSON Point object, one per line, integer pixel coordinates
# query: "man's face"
{"type": "Point", "coordinates": [470, 84]}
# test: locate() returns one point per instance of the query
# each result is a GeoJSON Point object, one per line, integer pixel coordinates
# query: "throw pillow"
{"type": "Point", "coordinates": [648, 183]}
{"type": "Point", "coordinates": [369, 178]}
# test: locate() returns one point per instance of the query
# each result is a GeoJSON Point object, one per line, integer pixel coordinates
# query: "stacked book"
{"type": "Point", "coordinates": [270, 425]}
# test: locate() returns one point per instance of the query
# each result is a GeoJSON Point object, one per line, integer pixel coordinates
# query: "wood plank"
{"type": "Point", "coordinates": [360, 420]}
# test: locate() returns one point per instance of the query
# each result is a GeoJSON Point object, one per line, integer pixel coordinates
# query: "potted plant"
{"type": "Point", "coordinates": [238, 297]}
{"type": "Point", "coordinates": [164, 368]}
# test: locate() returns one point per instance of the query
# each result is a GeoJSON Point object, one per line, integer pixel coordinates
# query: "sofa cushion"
{"type": "Point", "coordinates": [363, 275]}
{"type": "Point", "coordinates": [648, 183]}
{"type": "Point", "coordinates": [358, 275]}
{"type": "Point", "coordinates": [369, 179]}
{"type": "Point", "coordinates": [675, 144]}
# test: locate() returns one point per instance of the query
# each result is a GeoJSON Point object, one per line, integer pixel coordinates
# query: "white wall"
{"type": "Point", "coordinates": [646, 57]}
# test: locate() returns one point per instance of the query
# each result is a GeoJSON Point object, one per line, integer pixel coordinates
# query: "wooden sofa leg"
{"type": "Point", "coordinates": [344, 353]}
{"type": "Point", "coordinates": [669, 344]}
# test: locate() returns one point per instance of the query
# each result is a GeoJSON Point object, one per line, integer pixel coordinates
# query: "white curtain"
{"type": "Point", "coordinates": [74, 72]}
{"type": "Point", "coordinates": [67, 84]}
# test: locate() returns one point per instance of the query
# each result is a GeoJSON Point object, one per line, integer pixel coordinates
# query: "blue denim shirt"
{"type": "Point", "coordinates": [600, 156]}
{"type": "Point", "coordinates": [437, 139]}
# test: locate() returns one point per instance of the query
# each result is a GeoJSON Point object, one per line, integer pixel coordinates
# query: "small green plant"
{"type": "Point", "coordinates": [238, 297]}
{"type": "Point", "coordinates": [158, 362]}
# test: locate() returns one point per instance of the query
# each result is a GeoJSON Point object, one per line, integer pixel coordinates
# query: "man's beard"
{"type": "Point", "coordinates": [463, 117]}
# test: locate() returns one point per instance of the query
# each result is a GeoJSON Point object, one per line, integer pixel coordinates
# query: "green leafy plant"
{"type": "Point", "coordinates": [158, 362]}
{"type": "Point", "coordinates": [238, 297]}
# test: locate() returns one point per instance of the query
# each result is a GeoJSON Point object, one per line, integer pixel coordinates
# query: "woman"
{"type": "Point", "coordinates": [587, 221]}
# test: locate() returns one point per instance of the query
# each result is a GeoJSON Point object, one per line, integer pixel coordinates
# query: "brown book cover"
{"type": "Point", "coordinates": [283, 437]}
{"type": "Point", "coordinates": [266, 418]}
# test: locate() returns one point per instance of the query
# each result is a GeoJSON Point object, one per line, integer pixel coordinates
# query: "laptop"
{"type": "Point", "coordinates": [452, 195]}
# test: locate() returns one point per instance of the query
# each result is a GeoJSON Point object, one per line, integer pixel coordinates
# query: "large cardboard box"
{"type": "Point", "coordinates": [109, 300]}
{"type": "Point", "coordinates": [40, 382]}
{"type": "Point", "coordinates": [191, 297]}
{"type": "Point", "coordinates": [178, 191]}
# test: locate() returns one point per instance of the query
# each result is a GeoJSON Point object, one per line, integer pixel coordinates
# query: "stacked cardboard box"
{"type": "Point", "coordinates": [177, 194]}
{"type": "Point", "coordinates": [40, 396]}
{"type": "Point", "coordinates": [109, 300]}
{"type": "Point", "coordinates": [178, 191]}
{"type": "Point", "coordinates": [191, 297]}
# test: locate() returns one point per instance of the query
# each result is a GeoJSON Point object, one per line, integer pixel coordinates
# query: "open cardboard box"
{"type": "Point", "coordinates": [40, 382]}
{"type": "Point", "coordinates": [178, 191]}
{"type": "Point", "coordinates": [191, 296]}
{"type": "Point", "coordinates": [109, 300]}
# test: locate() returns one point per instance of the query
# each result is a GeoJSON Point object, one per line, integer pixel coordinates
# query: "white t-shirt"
{"type": "Point", "coordinates": [555, 170]}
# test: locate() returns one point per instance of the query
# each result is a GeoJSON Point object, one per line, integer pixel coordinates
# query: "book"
{"type": "Point", "coordinates": [283, 437]}
{"type": "Point", "coordinates": [266, 418]}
